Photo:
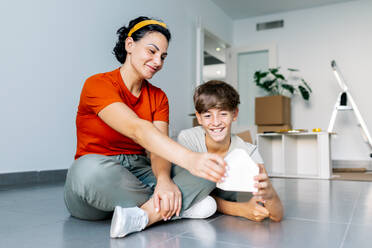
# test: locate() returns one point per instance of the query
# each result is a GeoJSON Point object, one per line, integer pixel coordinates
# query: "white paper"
{"type": "Point", "coordinates": [241, 171]}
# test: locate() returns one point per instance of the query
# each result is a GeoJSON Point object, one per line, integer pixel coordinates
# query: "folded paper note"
{"type": "Point", "coordinates": [241, 171]}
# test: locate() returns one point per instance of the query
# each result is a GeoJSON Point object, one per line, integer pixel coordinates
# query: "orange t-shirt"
{"type": "Point", "coordinates": [101, 90]}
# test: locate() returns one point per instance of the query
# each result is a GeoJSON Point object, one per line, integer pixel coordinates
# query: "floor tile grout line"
{"type": "Point", "coordinates": [163, 242]}
{"type": "Point", "coordinates": [181, 233]}
{"type": "Point", "coordinates": [40, 225]}
{"type": "Point", "coordinates": [350, 220]}
{"type": "Point", "coordinates": [315, 220]}
{"type": "Point", "coordinates": [222, 242]}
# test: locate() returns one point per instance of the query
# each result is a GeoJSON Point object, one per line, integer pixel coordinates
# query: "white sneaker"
{"type": "Point", "coordinates": [127, 220]}
{"type": "Point", "coordinates": [201, 210]}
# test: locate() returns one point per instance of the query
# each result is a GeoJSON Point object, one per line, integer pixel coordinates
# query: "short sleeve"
{"type": "Point", "coordinates": [98, 93]}
{"type": "Point", "coordinates": [185, 139]}
{"type": "Point", "coordinates": [181, 139]}
{"type": "Point", "coordinates": [162, 108]}
{"type": "Point", "coordinates": [193, 139]}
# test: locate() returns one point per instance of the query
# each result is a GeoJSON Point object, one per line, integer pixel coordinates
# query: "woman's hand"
{"type": "Point", "coordinates": [167, 198]}
{"type": "Point", "coordinates": [255, 211]}
{"type": "Point", "coordinates": [265, 189]}
{"type": "Point", "coordinates": [206, 165]}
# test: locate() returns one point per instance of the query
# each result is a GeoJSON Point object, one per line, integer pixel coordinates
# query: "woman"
{"type": "Point", "coordinates": [120, 115]}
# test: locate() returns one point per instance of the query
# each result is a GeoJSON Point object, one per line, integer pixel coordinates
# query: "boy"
{"type": "Point", "coordinates": [216, 104]}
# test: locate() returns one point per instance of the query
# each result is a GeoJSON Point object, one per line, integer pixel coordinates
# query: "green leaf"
{"type": "Point", "coordinates": [307, 86]}
{"type": "Point", "coordinates": [258, 75]}
{"type": "Point", "coordinates": [305, 94]}
{"type": "Point", "coordinates": [268, 84]}
{"type": "Point", "coordinates": [274, 70]}
{"type": "Point", "coordinates": [280, 76]}
{"type": "Point", "coordinates": [292, 69]}
{"type": "Point", "coordinates": [288, 87]}
{"type": "Point", "coordinates": [264, 74]}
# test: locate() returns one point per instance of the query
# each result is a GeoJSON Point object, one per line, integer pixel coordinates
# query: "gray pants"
{"type": "Point", "coordinates": [95, 184]}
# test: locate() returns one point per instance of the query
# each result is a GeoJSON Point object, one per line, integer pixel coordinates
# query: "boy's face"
{"type": "Point", "coordinates": [217, 123]}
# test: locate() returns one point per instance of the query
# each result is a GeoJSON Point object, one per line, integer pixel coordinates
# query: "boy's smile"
{"type": "Point", "coordinates": [217, 124]}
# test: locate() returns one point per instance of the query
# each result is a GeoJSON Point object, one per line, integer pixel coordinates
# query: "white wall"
{"type": "Point", "coordinates": [49, 47]}
{"type": "Point", "coordinates": [310, 39]}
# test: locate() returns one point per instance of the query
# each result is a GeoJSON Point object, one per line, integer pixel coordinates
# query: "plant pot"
{"type": "Point", "coordinates": [273, 110]}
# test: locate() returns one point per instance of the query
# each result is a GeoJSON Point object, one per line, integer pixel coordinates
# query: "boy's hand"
{"type": "Point", "coordinates": [265, 189]}
{"type": "Point", "coordinates": [256, 212]}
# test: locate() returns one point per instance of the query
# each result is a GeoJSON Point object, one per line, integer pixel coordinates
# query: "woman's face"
{"type": "Point", "coordinates": [147, 55]}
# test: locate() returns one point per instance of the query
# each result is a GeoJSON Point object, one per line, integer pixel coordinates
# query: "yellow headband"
{"type": "Point", "coordinates": [145, 23]}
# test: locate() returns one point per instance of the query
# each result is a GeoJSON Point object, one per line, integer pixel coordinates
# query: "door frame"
{"type": "Point", "coordinates": [232, 59]}
{"type": "Point", "coordinates": [201, 30]}
{"type": "Point", "coordinates": [232, 71]}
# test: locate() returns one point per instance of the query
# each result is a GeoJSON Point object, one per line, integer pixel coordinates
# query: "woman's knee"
{"type": "Point", "coordinates": [90, 168]}
{"type": "Point", "coordinates": [80, 209]}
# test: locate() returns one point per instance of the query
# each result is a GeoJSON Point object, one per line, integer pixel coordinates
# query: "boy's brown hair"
{"type": "Point", "coordinates": [215, 94]}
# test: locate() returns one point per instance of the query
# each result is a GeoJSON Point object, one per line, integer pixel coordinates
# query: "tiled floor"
{"type": "Point", "coordinates": [318, 213]}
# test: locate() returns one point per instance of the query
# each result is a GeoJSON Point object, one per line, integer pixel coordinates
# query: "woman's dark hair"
{"type": "Point", "coordinates": [215, 94]}
{"type": "Point", "coordinates": [119, 49]}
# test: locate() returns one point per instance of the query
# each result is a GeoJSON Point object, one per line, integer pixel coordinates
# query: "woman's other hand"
{"type": "Point", "coordinates": [167, 199]}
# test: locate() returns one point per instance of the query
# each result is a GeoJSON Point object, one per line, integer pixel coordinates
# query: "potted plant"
{"type": "Point", "coordinates": [273, 112]}
{"type": "Point", "coordinates": [275, 83]}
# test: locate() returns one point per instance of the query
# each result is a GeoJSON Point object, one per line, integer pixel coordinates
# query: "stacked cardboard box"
{"type": "Point", "coordinates": [246, 136]}
{"type": "Point", "coordinates": [272, 113]}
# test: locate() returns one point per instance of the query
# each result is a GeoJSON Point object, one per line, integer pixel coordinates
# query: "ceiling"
{"type": "Point", "coordinates": [240, 9]}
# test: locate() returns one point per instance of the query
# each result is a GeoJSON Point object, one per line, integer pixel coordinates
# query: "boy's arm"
{"type": "Point", "coordinates": [275, 208]}
{"type": "Point", "coordinates": [250, 209]}
{"type": "Point", "coordinates": [268, 196]}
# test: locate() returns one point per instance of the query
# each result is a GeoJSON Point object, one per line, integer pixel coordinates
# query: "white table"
{"type": "Point", "coordinates": [301, 155]}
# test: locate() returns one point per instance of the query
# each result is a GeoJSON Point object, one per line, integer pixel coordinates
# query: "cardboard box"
{"type": "Point", "coordinates": [246, 136]}
{"type": "Point", "coordinates": [272, 128]}
{"type": "Point", "coordinates": [272, 110]}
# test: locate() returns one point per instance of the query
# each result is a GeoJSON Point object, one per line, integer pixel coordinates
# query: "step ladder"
{"type": "Point", "coordinates": [341, 105]}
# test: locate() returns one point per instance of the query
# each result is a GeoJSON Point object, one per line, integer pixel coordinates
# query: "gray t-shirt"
{"type": "Point", "coordinates": [194, 139]}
